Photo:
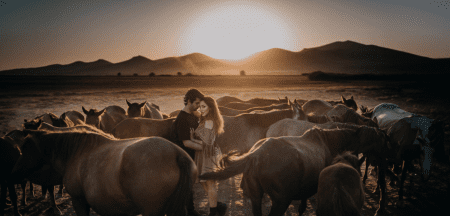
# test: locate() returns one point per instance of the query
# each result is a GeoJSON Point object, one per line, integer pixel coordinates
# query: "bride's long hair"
{"type": "Point", "coordinates": [214, 114]}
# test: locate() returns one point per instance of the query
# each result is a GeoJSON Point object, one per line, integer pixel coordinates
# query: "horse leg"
{"type": "Point", "coordinates": [382, 164]}
{"type": "Point", "coordinates": [53, 202]}
{"type": "Point", "coordinates": [365, 172]}
{"type": "Point", "coordinates": [24, 195]}
{"type": "Point", "coordinates": [31, 190]}
{"type": "Point", "coordinates": [13, 196]}
{"type": "Point", "coordinates": [401, 202]}
{"type": "Point", "coordinates": [279, 207]}
{"type": "Point", "coordinates": [44, 190]}
{"type": "Point", "coordinates": [81, 206]}
{"type": "Point", "coordinates": [302, 207]}
{"type": "Point", "coordinates": [60, 191]}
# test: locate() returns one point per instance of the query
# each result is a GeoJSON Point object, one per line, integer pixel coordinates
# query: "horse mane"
{"type": "Point", "coordinates": [319, 119]}
{"type": "Point", "coordinates": [65, 145]}
{"type": "Point", "coordinates": [348, 158]}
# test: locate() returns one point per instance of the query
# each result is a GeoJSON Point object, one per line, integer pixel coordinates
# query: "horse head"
{"type": "Point", "coordinates": [93, 116]}
{"type": "Point", "coordinates": [135, 109]}
{"type": "Point", "coordinates": [349, 102]}
{"type": "Point", "coordinates": [298, 111]}
{"type": "Point", "coordinates": [31, 158]}
{"type": "Point", "coordinates": [33, 124]}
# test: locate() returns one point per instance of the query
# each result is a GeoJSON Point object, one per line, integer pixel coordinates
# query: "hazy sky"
{"type": "Point", "coordinates": [36, 33]}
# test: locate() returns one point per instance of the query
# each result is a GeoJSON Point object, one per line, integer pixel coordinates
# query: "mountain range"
{"type": "Point", "coordinates": [337, 57]}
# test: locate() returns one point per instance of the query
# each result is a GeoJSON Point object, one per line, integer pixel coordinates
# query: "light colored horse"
{"type": "Point", "coordinates": [241, 132]}
{"type": "Point", "coordinates": [76, 117]}
{"type": "Point", "coordinates": [148, 176]}
{"type": "Point", "coordinates": [143, 127]}
{"type": "Point", "coordinates": [105, 119]}
{"type": "Point", "coordinates": [412, 138]}
{"type": "Point", "coordinates": [340, 191]}
{"type": "Point", "coordinates": [287, 168]}
{"type": "Point", "coordinates": [154, 109]}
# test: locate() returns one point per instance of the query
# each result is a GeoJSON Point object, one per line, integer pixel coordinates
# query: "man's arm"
{"type": "Point", "coordinates": [193, 145]}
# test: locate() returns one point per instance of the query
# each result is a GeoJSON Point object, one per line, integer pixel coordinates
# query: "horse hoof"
{"type": "Point", "coordinates": [379, 213]}
{"type": "Point", "coordinates": [56, 211]}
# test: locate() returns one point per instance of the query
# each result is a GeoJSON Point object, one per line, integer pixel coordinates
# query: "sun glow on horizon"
{"type": "Point", "coordinates": [234, 32]}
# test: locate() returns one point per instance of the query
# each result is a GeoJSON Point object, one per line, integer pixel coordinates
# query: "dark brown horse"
{"type": "Point", "coordinates": [351, 103]}
{"type": "Point", "coordinates": [148, 176]}
{"type": "Point", "coordinates": [340, 191]}
{"type": "Point", "coordinates": [287, 168]}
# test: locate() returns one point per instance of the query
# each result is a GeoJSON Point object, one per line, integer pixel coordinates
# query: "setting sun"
{"type": "Point", "coordinates": [234, 32]}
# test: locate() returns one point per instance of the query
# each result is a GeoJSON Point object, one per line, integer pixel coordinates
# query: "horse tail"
{"type": "Point", "coordinates": [177, 201]}
{"type": "Point", "coordinates": [343, 203]}
{"type": "Point", "coordinates": [236, 167]}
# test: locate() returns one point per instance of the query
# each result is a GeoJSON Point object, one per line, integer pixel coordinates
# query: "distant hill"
{"type": "Point", "coordinates": [337, 57]}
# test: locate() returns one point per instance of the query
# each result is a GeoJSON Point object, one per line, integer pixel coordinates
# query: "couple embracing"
{"type": "Point", "coordinates": [195, 132]}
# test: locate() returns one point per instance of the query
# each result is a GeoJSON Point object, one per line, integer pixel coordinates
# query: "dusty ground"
{"type": "Point", "coordinates": [429, 199]}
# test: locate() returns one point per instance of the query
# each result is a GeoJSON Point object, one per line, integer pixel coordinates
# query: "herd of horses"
{"type": "Point", "coordinates": [121, 162]}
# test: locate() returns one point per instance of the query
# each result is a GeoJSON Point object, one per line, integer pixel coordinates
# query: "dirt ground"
{"type": "Point", "coordinates": [429, 199]}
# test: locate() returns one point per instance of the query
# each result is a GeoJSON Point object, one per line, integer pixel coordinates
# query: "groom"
{"type": "Point", "coordinates": [180, 133]}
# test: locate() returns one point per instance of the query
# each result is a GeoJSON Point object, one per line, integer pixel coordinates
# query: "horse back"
{"type": "Point", "coordinates": [316, 107]}
{"type": "Point", "coordinates": [289, 127]}
{"type": "Point", "coordinates": [222, 101]}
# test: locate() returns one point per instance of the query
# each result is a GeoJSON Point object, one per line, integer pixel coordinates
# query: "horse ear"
{"type": "Point", "coordinates": [142, 104]}
{"type": "Point", "coordinates": [24, 120]}
{"type": "Point", "coordinates": [129, 104]}
{"type": "Point", "coordinates": [84, 110]}
{"type": "Point", "coordinates": [100, 112]}
{"type": "Point", "coordinates": [351, 97]}
{"type": "Point", "coordinates": [343, 99]}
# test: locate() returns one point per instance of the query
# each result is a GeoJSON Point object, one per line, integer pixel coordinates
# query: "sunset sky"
{"type": "Point", "coordinates": [36, 33]}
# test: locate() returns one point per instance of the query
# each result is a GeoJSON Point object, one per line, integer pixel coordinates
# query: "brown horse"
{"type": "Point", "coordinates": [143, 127]}
{"type": "Point", "coordinates": [105, 119]}
{"type": "Point", "coordinates": [287, 168]}
{"type": "Point", "coordinates": [76, 117]}
{"type": "Point", "coordinates": [154, 109]}
{"type": "Point", "coordinates": [350, 103]}
{"type": "Point", "coordinates": [244, 130]}
{"type": "Point", "coordinates": [338, 113]}
{"type": "Point", "coordinates": [148, 176]}
{"type": "Point", "coordinates": [340, 191]}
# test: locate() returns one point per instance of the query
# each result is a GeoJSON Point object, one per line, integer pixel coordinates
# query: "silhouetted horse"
{"type": "Point", "coordinates": [49, 118]}
{"type": "Point", "coordinates": [148, 176]}
{"type": "Point", "coordinates": [320, 107]}
{"type": "Point", "coordinates": [340, 191]}
{"type": "Point", "coordinates": [9, 154]}
{"type": "Point", "coordinates": [287, 168]}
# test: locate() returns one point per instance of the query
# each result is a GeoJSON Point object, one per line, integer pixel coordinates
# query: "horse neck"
{"type": "Point", "coordinates": [336, 140]}
{"type": "Point", "coordinates": [61, 148]}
